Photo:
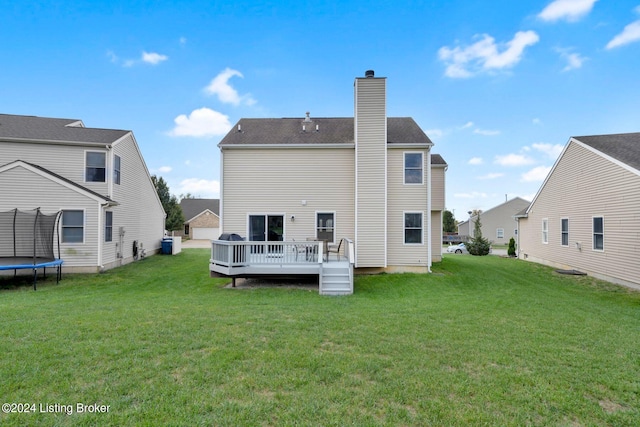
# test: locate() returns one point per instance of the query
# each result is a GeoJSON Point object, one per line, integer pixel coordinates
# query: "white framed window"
{"type": "Point", "coordinates": [564, 231]}
{"type": "Point", "coordinates": [545, 231]}
{"type": "Point", "coordinates": [108, 226]}
{"type": "Point", "coordinates": [73, 226]}
{"type": "Point", "coordinates": [499, 233]}
{"type": "Point", "coordinates": [413, 162]}
{"type": "Point", "coordinates": [598, 233]}
{"type": "Point", "coordinates": [413, 226]}
{"type": "Point", "coordinates": [116, 169]}
{"type": "Point", "coordinates": [95, 166]}
{"type": "Point", "coordinates": [326, 226]}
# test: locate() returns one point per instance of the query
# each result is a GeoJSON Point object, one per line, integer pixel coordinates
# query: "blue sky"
{"type": "Point", "coordinates": [499, 86]}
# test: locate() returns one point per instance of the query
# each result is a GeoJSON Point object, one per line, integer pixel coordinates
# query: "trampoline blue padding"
{"type": "Point", "coordinates": [25, 263]}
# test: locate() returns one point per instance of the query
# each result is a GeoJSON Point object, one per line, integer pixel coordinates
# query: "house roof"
{"type": "Point", "coordinates": [33, 128]}
{"type": "Point", "coordinates": [624, 147]}
{"type": "Point", "coordinates": [191, 208]}
{"type": "Point", "coordinates": [436, 159]}
{"type": "Point", "coordinates": [515, 200]}
{"type": "Point", "coordinates": [67, 182]}
{"type": "Point", "coordinates": [400, 130]}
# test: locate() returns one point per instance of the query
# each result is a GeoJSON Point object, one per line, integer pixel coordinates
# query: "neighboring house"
{"type": "Point", "coordinates": [369, 178]}
{"type": "Point", "coordinates": [97, 177]}
{"type": "Point", "coordinates": [202, 219]}
{"type": "Point", "coordinates": [497, 224]}
{"type": "Point", "coordinates": [586, 215]}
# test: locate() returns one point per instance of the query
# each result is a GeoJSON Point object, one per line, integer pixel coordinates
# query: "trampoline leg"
{"type": "Point", "coordinates": [35, 276]}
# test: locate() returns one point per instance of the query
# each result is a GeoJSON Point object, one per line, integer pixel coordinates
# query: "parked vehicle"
{"type": "Point", "coordinates": [458, 249]}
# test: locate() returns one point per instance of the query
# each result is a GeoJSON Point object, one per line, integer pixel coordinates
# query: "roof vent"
{"type": "Point", "coordinates": [369, 73]}
{"type": "Point", "coordinates": [307, 119]}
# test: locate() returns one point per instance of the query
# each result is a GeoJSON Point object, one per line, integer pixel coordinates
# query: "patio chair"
{"type": "Point", "coordinates": [334, 249]}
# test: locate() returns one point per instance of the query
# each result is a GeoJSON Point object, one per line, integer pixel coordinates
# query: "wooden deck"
{"type": "Point", "coordinates": [255, 259]}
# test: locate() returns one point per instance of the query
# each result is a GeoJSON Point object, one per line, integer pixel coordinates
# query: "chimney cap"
{"type": "Point", "coordinates": [369, 73]}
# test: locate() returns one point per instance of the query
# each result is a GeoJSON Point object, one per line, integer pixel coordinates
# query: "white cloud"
{"type": "Point", "coordinates": [220, 87]}
{"type": "Point", "coordinates": [513, 160]}
{"type": "Point", "coordinates": [165, 169]}
{"type": "Point", "coordinates": [493, 175]}
{"type": "Point", "coordinates": [434, 133]}
{"type": "Point", "coordinates": [538, 173]}
{"type": "Point", "coordinates": [201, 123]}
{"type": "Point", "coordinates": [112, 56]}
{"type": "Point", "coordinates": [485, 54]}
{"type": "Point", "coordinates": [486, 132]}
{"type": "Point", "coordinates": [570, 10]}
{"type": "Point", "coordinates": [574, 60]}
{"type": "Point", "coordinates": [472, 195]}
{"type": "Point", "coordinates": [153, 58]}
{"type": "Point", "coordinates": [475, 161]}
{"type": "Point", "coordinates": [630, 34]}
{"type": "Point", "coordinates": [467, 125]}
{"type": "Point", "coordinates": [553, 151]}
{"type": "Point", "coordinates": [202, 187]}
{"type": "Point", "coordinates": [536, 121]}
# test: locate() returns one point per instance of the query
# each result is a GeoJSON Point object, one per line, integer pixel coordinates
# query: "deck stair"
{"type": "Point", "coordinates": [336, 278]}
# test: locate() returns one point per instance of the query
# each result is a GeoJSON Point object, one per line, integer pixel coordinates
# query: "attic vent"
{"type": "Point", "coordinates": [369, 73]}
{"type": "Point", "coordinates": [307, 119]}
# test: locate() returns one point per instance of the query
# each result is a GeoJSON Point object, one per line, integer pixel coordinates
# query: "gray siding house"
{"type": "Point", "coordinates": [370, 178]}
{"type": "Point", "coordinates": [96, 177]}
{"type": "Point", "coordinates": [497, 224]}
{"type": "Point", "coordinates": [586, 215]}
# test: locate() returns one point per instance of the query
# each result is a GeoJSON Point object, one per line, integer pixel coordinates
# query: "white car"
{"type": "Point", "coordinates": [457, 249]}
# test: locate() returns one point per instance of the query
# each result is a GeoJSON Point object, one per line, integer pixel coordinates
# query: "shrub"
{"type": "Point", "coordinates": [511, 250]}
{"type": "Point", "coordinates": [478, 245]}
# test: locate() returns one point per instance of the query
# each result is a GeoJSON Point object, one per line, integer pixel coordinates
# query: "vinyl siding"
{"type": "Point", "coordinates": [26, 190]}
{"type": "Point", "coordinates": [436, 236]}
{"type": "Point", "coordinates": [139, 210]}
{"type": "Point", "coordinates": [277, 181]}
{"type": "Point", "coordinates": [371, 165]}
{"type": "Point", "coordinates": [437, 188]}
{"type": "Point", "coordinates": [502, 216]}
{"type": "Point", "coordinates": [405, 198]}
{"type": "Point", "coordinates": [65, 160]}
{"type": "Point", "coordinates": [583, 185]}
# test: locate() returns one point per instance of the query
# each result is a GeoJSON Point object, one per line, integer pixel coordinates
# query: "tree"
{"type": "Point", "coordinates": [478, 245]}
{"type": "Point", "coordinates": [175, 217]}
{"type": "Point", "coordinates": [511, 250]}
{"type": "Point", "coordinates": [448, 222]}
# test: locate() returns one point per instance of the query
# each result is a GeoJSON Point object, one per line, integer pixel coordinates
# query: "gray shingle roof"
{"type": "Point", "coordinates": [51, 129]}
{"type": "Point", "coordinates": [400, 130]}
{"type": "Point", "coordinates": [194, 207]}
{"type": "Point", "coordinates": [624, 147]}
{"type": "Point", "coordinates": [436, 159]}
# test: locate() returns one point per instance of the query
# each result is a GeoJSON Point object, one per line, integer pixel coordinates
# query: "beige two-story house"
{"type": "Point", "coordinates": [111, 213]}
{"type": "Point", "coordinates": [370, 178]}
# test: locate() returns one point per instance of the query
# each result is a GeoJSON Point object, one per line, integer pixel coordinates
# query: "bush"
{"type": "Point", "coordinates": [478, 245]}
{"type": "Point", "coordinates": [511, 250]}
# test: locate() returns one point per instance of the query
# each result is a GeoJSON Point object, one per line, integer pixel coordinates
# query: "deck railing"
{"type": "Point", "coordinates": [242, 253]}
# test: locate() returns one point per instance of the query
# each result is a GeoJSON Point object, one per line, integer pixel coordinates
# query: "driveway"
{"type": "Point", "coordinates": [194, 243]}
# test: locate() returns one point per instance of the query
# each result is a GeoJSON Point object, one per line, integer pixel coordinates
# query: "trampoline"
{"type": "Point", "coordinates": [27, 242]}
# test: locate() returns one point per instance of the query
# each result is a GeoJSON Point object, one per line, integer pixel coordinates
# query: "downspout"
{"type": "Point", "coordinates": [429, 249]}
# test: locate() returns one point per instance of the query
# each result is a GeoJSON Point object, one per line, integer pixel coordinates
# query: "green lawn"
{"type": "Point", "coordinates": [483, 341]}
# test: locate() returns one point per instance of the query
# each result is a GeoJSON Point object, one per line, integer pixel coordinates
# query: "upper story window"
{"type": "Point", "coordinates": [564, 225]}
{"type": "Point", "coordinates": [545, 231]}
{"type": "Point", "coordinates": [598, 233]}
{"type": "Point", "coordinates": [95, 166]}
{"type": "Point", "coordinates": [413, 168]}
{"type": "Point", "coordinates": [72, 226]}
{"type": "Point", "coordinates": [116, 170]}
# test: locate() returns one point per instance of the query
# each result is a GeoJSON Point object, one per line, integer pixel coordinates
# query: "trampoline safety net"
{"type": "Point", "coordinates": [28, 234]}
